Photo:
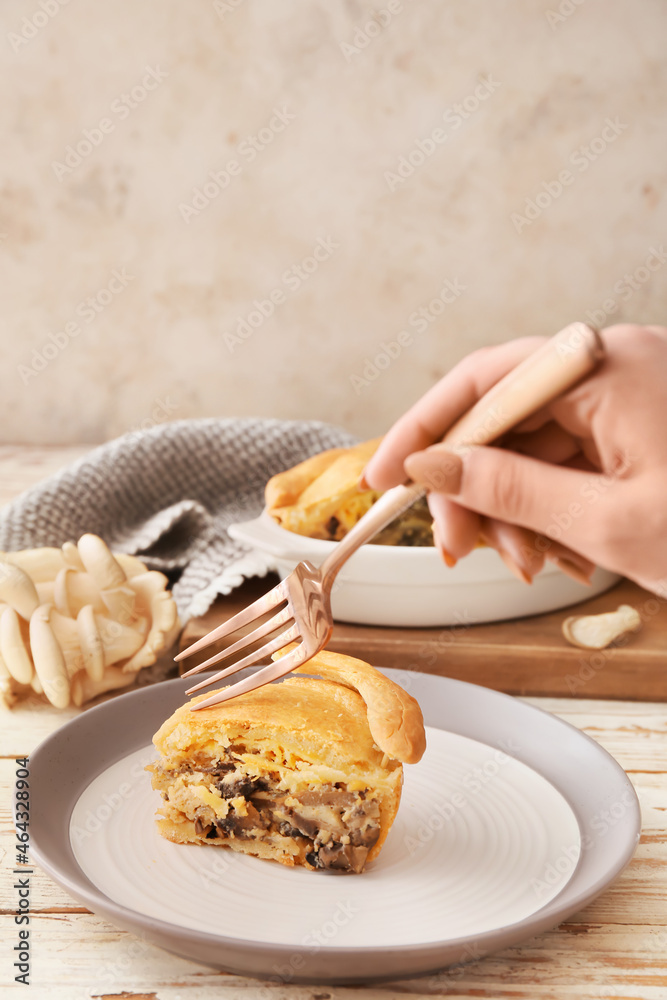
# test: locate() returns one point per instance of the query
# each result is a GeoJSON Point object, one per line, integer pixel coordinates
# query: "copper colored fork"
{"type": "Point", "coordinates": [306, 593]}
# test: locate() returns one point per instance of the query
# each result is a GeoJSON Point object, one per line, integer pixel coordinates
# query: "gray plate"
{"type": "Point", "coordinates": [596, 787]}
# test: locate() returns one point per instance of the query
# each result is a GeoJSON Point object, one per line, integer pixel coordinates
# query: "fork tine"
{"type": "Point", "coordinates": [270, 647]}
{"type": "Point", "coordinates": [264, 676]}
{"type": "Point", "coordinates": [283, 616]}
{"type": "Point", "coordinates": [259, 607]}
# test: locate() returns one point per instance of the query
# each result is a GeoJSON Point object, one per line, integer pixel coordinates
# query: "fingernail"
{"type": "Point", "coordinates": [513, 565]}
{"type": "Point", "coordinates": [363, 483]}
{"type": "Point", "coordinates": [570, 569]}
{"type": "Point", "coordinates": [448, 558]}
{"type": "Point", "coordinates": [437, 468]}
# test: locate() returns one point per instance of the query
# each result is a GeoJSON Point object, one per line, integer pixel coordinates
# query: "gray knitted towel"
{"type": "Point", "coordinates": [168, 495]}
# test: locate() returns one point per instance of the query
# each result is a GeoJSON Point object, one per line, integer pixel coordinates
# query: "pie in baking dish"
{"type": "Point", "coordinates": [305, 772]}
{"type": "Point", "coordinates": [320, 498]}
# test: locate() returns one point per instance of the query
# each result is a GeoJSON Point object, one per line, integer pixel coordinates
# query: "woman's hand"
{"type": "Point", "coordinates": [582, 482]}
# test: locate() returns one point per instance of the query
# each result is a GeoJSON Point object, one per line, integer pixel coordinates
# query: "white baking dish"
{"type": "Point", "coordinates": [400, 585]}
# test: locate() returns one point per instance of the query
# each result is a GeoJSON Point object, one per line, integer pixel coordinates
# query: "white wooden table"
{"type": "Point", "coordinates": [615, 948]}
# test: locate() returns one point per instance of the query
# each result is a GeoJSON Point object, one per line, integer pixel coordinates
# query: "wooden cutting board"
{"type": "Point", "coordinates": [526, 656]}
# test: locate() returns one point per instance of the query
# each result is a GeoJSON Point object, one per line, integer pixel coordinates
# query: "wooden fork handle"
{"type": "Point", "coordinates": [547, 373]}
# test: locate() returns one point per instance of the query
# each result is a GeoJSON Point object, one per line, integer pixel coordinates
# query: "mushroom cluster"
{"type": "Point", "coordinates": [78, 621]}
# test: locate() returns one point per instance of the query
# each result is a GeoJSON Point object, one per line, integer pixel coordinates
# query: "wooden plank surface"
{"type": "Point", "coordinates": [528, 656]}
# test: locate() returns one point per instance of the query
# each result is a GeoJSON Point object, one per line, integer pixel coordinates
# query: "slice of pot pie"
{"type": "Point", "coordinates": [305, 772]}
{"type": "Point", "coordinates": [320, 498]}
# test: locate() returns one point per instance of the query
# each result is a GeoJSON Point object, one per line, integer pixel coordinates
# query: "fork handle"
{"type": "Point", "coordinates": [539, 379]}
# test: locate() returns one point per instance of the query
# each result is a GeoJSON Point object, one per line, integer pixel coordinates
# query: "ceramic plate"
{"type": "Point", "coordinates": [512, 821]}
{"type": "Point", "coordinates": [410, 586]}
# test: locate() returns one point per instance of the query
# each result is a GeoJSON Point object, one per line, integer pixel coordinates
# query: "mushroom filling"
{"type": "Point", "coordinates": [331, 827]}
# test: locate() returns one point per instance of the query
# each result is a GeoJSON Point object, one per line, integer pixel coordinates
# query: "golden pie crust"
{"type": "Point", "coordinates": [320, 498]}
{"type": "Point", "coordinates": [306, 772]}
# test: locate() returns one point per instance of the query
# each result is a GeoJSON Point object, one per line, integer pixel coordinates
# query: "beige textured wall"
{"type": "Point", "coordinates": [312, 218]}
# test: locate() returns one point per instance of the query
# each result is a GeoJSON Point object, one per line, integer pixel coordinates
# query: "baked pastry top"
{"type": "Point", "coordinates": [305, 772]}
{"type": "Point", "coordinates": [320, 498]}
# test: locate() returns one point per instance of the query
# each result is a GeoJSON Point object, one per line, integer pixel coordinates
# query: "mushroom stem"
{"type": "Point", "coordinates": [60, 594]}
{"type": "Point", "coordinates": [120, 642]}
{"type": "Point", "coordinates": [71, 557]}
{"type": "Point", "coordinates": [41, 564]}
{"type": "Point", "coordinates": [13, 647]}
{"type": "Point", "coordinates": [91, 643]}
{"type": "Point", "coordinates": [84, 688]}
{"type": "Point", "coordinates": [104, 569]}
{"type": "Point", "coordinates": [17, 589]}
{"type": "Point", "coordinates": [49, 661]}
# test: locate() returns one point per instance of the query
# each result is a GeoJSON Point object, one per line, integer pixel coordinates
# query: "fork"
{"type": "Point", "coordinates": [551, 370]}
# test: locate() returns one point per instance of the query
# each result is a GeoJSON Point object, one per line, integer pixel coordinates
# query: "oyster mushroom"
{"type": "Point", "coordinates": [17, 589]}
{"type": "Point", "coordinates": [46, 591]}
{"type": "Point", "coordinates": [92, 649]}
{"type": "Point", "coordinates": [60, 593]}
{"type": "Point", "coordinates": [8, 686]}
{"type": "Point", "coordinates": [120, 602]}
{"type": "Point", "coordinates": [81, 589]}
{"type": "Point", "coordinates": [14, 649]}
{"type": "Point", "coordinates": [120, 641]}
{"type": "Point", "coordinates": [154, 601]}
{"type": "Point", "coordinates": [599, 631]}
{"type": "Point", "coordinates": [4, 671]}
{"type": "Point", "coordinates": [71, 557]}
{"type": "Point", "coordinates": [41, 565]}
{"type": "Point", "coordinates": [79, 620]}
{"type": "Point", "coordinates": [5, 674]}
{"type": "Point", "coordinates": [109, 576]}
{"type": "Point", "coordinates": [98, 561]}
{"type": "Point", "coordinates": [48, 658]}
{"type": "Point", "coordinates": [66, 634]}
{"type": "Point", "coordinates": [84, 688]}
{"type": "Point", "coordinates": [130, 564]}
